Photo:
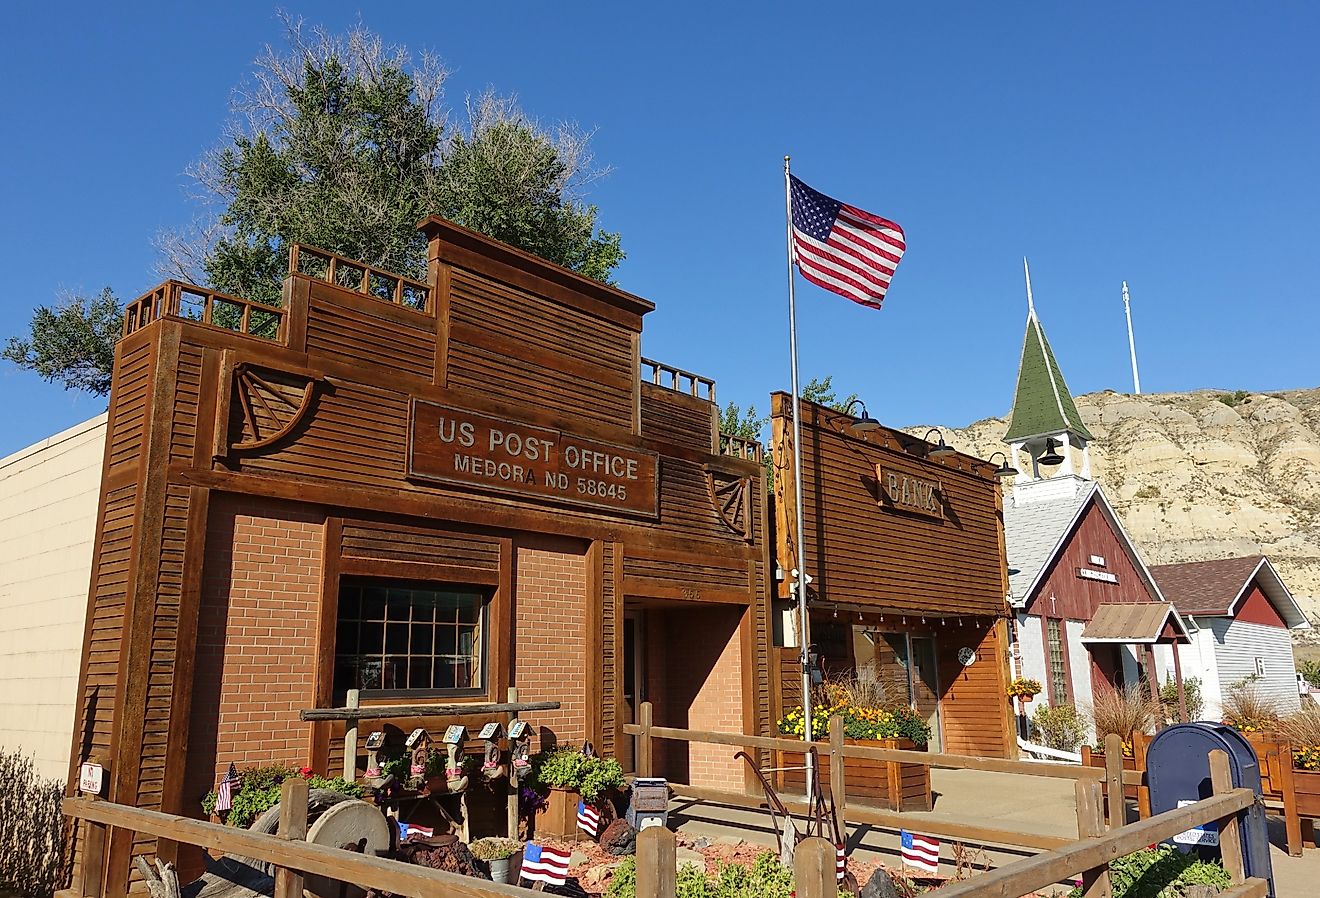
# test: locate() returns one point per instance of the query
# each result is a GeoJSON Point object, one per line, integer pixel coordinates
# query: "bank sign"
{"type": "Point", "coordinates": [458, 446]}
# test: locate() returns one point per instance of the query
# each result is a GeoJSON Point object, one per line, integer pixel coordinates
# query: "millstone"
{"type": "Point", "coordinates": [347, 823]}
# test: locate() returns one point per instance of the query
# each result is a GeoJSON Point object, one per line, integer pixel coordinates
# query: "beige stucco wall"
{"type": "Point", "coordinates": [48, 499]}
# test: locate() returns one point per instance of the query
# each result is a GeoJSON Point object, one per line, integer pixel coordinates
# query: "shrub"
{"type": "Point", "coordinates": [31, 828]}
{"type": "Point", "coordinates": [1191, 695]}
{"type": "Point", "coordinates": [860, 723]}
{"type": "Point", "coordinates": [1162, 872]}
{"type": "Point", "coordinates": [495, 848]}
{"type": "Point", "coordinates": [1247, 710]}
{"type": "Point", "coordinates": [765, 878]}
{"type": "Point", "coordinates": [567, 768]}
{"type": "Point", "coordinates": [259, 791]}
{"type": "Point", "coordinates": [1124, 711]}
{"type": "Point", "coordinates": [1060, 727]}
{"type": "Point", "coordinates": [1310, 671]}
{"type": "Point", "coordinates": [1147, 492]}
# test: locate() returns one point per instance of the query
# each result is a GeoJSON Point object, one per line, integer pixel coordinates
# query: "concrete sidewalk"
{"type": "Point", "coordinates": [1004, 801]}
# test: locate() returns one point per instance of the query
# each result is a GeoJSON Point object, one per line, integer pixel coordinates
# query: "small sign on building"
{"type": "Point", "coordinates": [91, 779]}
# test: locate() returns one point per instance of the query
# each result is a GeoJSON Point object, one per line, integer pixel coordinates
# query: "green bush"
{"type": "Point", "coordinates": [260, 787]}
{"type": "Point", "coordinates": [31, 828]}
{"type": "Point", "coordinates": [1161, 872]}
{"type": "Point", "coordinates": [766, 878]}
{"type": "Point", "coordinates": [1191, 695]}
{"type": "Point", "coordinates": [567, 768]}
{"type": "Point", "coordinates": [1060, 726]}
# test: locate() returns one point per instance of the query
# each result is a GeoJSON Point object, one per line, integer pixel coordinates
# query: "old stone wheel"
{"type": "Point", "coordinates": [349, 823]}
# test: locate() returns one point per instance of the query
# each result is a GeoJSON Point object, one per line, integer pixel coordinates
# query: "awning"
{"type": "Point", "coordinates": [1136, 622]}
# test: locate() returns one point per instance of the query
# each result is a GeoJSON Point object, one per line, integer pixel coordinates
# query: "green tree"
{"type": "Point", "coordinates": [821, 392]}
{"type": "Point", "coordinates": [72, 342]}
{"type": "Point", "coordinates": [344, 143]}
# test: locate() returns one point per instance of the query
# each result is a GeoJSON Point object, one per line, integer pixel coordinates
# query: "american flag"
{"type": "Point", "coordinates": [545, 865]}
{"type": "Point", "coordinates": [841, 863]}
{"type": "Point", "coordinates": [588, 819]}
{"type": "Point", "coordinates": [843, 249]}
{"type": "Point", "coordinates": [412, 829]}
{"type": "Point", "coordinates": [921, 852]}
{"type": "Point", "coordinates": [224, 793]}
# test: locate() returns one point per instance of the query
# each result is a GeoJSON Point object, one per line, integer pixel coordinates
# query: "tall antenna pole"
{"type": "Point", "coordinates": [800, 575]}
{"type": "Point", "coordinates": [1132, 344]}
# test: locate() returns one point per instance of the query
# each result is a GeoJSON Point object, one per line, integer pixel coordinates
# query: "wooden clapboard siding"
{"type": "Point", "coordinates": [187, 399]}
{"type": "Point", "coordinates": [678, 419]}
{"type": "Point", "coordinates": [400, 542]}
{"type": "Point", "coordinates": [861, 552]}
{"type": "Point", "coordinates": [670, 570]}
{"type": "Point", "coordinates": [132, 381]}
{"type": "Point", "coordinates": [972, 703]}
{"type": "Point", "coordinates": [364, 331]}
{"type": "Point", "coordinates": [505, 342]}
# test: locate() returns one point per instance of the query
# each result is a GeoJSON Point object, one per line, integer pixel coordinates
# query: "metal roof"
{"type": "Point", "coordinates": [1134, 622]}
{"type": "Point", "coordinates": [1042, 404]}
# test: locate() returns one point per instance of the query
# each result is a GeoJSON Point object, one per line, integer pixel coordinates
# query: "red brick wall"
{"type": "Point", "coordinates": [256, 638]}
{"type": "Point", "coordinates": [694, 681]}
{"type": "Point", "coordinates": [550, 638]}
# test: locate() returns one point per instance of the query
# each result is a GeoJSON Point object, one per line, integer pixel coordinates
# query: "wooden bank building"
{"type": "Point", "coordinates": [428, 492]}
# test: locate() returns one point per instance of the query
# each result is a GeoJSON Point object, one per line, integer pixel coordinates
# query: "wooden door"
{"type": "Point", "coordinates": [926, 685]}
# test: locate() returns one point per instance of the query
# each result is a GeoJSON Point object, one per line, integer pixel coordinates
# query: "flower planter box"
{"type": "Point", "coordinates": [898, 786]}
{"type": "Point", "coordinates": [1097, 759]}
{"type": "Point", "coordinates": [1306, 783]}
{"type": "Point", "coordinates": [559, 816]}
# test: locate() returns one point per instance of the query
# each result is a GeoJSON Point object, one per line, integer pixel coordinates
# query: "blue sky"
{"type": "Point", "coordinates": [1173, 145]}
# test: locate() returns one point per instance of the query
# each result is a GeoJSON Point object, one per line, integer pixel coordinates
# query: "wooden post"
{"type": "Point", "coordinates": [1114, 778]}
{"type": "Point", "coordinates": [93, 860]}
{"type": "Point", "coordinates": [837, 792]}
{"type": "Point", "coordinates": [293, 826]}
{"type": "Point", "coordinates": [511, 802]}
{"type": "Point", "coordinates": [1140, 748]}
{"type": "Point", "coordinates": [1230, 842]}
{"type": "Point", "coordinates": [1178, 678]}
{"type": "Point", "coordinates": [1154, 677]}
{"type": "Point", "coordinates": [351, 738]}
{"type": "Point", "coordinates": [814, 869]}
{"type": "Point", "coordinates": [1091, 825]}
{"type": "Point", "coordinates": [657, 864]}
{"type": "Point", "coordinates": [645, 749]}
{"type": "Point", "coordinates": [1292, 821]}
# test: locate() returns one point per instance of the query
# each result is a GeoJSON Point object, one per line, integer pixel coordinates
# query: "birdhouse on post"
{"type": "Point", "coordinates": [454, 739]}
{"type": "Point", "coordinates": [491, 768]}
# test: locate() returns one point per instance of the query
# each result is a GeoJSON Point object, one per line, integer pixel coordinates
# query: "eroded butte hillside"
{"type": "Point", "coordinates": [1205, 474]}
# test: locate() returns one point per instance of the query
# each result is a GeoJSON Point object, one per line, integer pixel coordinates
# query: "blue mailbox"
{"type": "Point", "coordinates": [1178, 773]}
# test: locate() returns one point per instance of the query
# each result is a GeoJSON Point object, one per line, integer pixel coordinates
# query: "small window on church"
{"type": "Point", "coordinates": [1058, 668]}
{"type": "Point", "coordinates": [1260, 667]}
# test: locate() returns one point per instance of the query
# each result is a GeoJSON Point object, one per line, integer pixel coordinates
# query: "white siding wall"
{"type": "Point", "coordinates": [1031, 650]}
{"type": "Point", "coordinates": [48, 500]}
{"type": "Point", "coordinates": [1240, 644]}
{"type": "Point", "coordinates": [1079, 665]}
{"type": "Point", "coordinates": [1198, 661]}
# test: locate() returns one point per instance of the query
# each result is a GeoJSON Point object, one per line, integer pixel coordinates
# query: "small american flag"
{"type": "Point", "coordinates": [224, 793]}
{"type": "Point", "coordinates": [921, 852]}
{"type": "Point", "coordinates": [588, 819]}
{"type": "Point", "coordinates": [841, 863]}
{"type": "Point", "coordinates": [545, 865]}
{"type": "Point", "coordinates": [412, 829]}
{"type": "Point", "coordinates": [843, 249]}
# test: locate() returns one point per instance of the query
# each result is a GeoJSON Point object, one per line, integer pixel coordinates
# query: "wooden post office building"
{"type": "Point", "coordinates": [427, 491]}
{"type": "Point", "coordinates": [905, 550]}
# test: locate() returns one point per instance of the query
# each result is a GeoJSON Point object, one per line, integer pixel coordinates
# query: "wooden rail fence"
{"type": "Point", "coordinates": [180, 300]}
{"type": "Point", "coordinates": [814, 861]}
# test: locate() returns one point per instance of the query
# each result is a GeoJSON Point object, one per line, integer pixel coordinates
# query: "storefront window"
{"type": "Point", "coordinates": [412, 638]}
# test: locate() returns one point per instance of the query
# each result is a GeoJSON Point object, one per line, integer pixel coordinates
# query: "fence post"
{"type": "Point", "coordinates": [93, 860]}
{"type": "Point", "coordinates": [838, 794]}
{"type": "Point", "coordinates": [645, 758]}
{"type": "Point", "coordinates": [1114, 778]}
{"type": "Point", "coordinates": [815, 870]}
{"type": "Point", "coordinates": [514, 787]}
{"type": "Point", "coordinates": [1230, 843]}
{"type": "Point", "coordinates": [293, 826]}
{"type": "Point", "coordinates": [351, 739]}
{"type": "Point", "coordinates": [657, 863]}
{"type": "Point", "coordinates": [1091, 825]}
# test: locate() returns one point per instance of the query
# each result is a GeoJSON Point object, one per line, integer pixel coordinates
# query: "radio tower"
{"type": "Point", "coordinates": [1132, 345]}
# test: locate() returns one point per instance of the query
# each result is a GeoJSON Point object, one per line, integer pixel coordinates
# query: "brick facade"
{"type": "Point", "coordinates": [256, 639]}
{"type": "Point", "coordinates": [550, 637]}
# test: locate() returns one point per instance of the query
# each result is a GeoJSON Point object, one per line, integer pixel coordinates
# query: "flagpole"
{"type": "Point", "coordinates": [1132, 344]}
{"type": "Point", "coordinates": [800, 580]}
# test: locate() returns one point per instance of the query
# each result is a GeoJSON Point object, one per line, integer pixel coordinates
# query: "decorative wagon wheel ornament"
{"type": "Point", "coordinates": [266, 405]}
{"type": "Point", "coordinates": [730, 494]}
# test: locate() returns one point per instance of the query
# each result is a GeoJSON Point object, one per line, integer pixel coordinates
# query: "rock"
{"type": "Point", "coordinates": [443, 853]}
{"type": "Point", "coordinates": [701, 843]}
{"type": "Point", "coordinates": [688, 856]}
{"type": "Point", "coordinates": [578, 857]}
{"type": "Point", "coordinates": [619, 839]}
{"type": "Point", "coordinates": [880, 885]}
{"type": "Point", "coordinates": [597, 875]}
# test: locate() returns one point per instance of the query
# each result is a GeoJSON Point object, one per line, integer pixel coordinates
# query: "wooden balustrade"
{"type": "Point", "coordinates": [679, 381]}
{"type": "Point", "coordinates": [360, 278]}
{"type": "Point", "coordinates": [191, 303]}
{"type": "Point", "coordinates": [741, 447]}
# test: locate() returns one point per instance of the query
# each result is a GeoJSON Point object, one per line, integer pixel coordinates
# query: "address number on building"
{"type": "Point", "coordinates": [453, 445]}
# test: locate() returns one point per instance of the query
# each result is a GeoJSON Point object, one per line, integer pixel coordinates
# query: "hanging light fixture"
{"type": "Point", "coordinates": [941, 449]}
{"type": "Point", "coordinates": [865, 423]}
{"type": "Point", "coordinates": [1004, 470]}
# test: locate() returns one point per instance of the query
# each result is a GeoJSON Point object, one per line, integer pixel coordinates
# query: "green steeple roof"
{"type": "Point", "coordinates": [1042, 405]}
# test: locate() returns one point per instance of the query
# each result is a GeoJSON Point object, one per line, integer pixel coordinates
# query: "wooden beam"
{"type": "Point", "coordinates": [1114, 780]}
{"type": "Point", "coordinates": [383, 712]}
{"type": "Point", "coordinates": [657, 863]}
{"type": "Point", "coordinates": [292, 827]}
{"type": "Point", "coordinates": [305, 857]}
{"type": "Point", "coordinates": [1230, 841]}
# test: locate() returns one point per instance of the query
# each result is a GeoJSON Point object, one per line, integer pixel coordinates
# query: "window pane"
{"type": "Point", "coordinates": [373, 603]}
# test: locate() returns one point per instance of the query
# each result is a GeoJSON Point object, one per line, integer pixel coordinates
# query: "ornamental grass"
{"type": "Point", "coordinates": [1125, 712]}
{"type": "Point", "coordinates": [1248, 710]}
{"type": "Point", "coordinates": [1302, 730]}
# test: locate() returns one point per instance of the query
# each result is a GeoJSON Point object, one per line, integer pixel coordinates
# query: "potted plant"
{"type": "Point", "coordinates": [498, 853]}
{"type": "Point", "coordinates": [569, 776]}
{"type": "Point", "coordinates": [869, 718]}
{"type": "Point", "coordinates": [1024, 689]}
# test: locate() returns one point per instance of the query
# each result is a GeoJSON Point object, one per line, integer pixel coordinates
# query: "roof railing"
{"type": "Point", "coordinates": [360, 277]}
{"type": "Point", "coordinates": [741, 447]}
{"type": "Point", "coordinates": [191, 303]}
{"type": "Point", "coordinates": [678, 380]}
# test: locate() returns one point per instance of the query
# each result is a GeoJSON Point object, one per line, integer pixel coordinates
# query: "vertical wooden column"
{"type": "Point", "coordinates": [293, 826]}
{"type": "Point", "coordinates": [1091, 825]}
{"type": "Point", "coordinates": [351, 737]}
{"type": "Point", "coordinates": [1230, 840]}
{"type": "Point", "coordinates": [838, 794]}
{"type": "Point", "coordinates": [511, 801]}
{"type": "Point", "coordinates": [1114, 779]}
{"type": "Point", "coordinates": [645, 746]}
{"type": "Point", "coordinates": [657, 863]}
{"type": "Point", "coordinates": [815, 869]}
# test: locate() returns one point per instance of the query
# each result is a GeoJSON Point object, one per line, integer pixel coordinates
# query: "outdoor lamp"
{"type": "Point", "coordinates": [942, 449]}
{"type": "Point", "coordinates": [865, 423]}
{"type": "Point", "coordinates": [1004, 470]}
{"type": "Point", "coordinates": [1051, 455]}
